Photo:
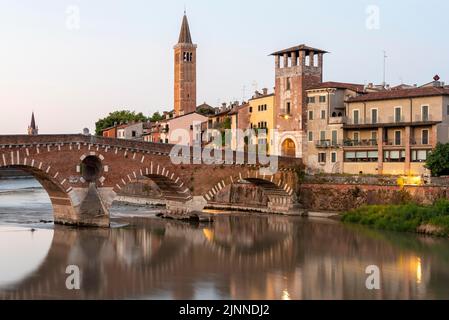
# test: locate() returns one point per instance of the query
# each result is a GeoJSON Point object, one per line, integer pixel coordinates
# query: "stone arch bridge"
{"type": "Point", "coordinates": [83, 174]}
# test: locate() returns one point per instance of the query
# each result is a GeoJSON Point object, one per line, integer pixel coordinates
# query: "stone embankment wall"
{"type": "Point", "coordinates": [342, 193]}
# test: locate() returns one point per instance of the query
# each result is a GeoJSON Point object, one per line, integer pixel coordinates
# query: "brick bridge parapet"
{"type": "Point", "coordinates": [82, 174]}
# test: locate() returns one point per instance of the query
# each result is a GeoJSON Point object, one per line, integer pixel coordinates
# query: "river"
{"type": "Point", "coordinates": [239, 256]}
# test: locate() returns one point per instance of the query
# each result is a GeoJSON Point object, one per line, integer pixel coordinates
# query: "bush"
{"type": "Point", "coordinates": [404, 218]}
{"type": "Point", "coordinates": [438, 160]}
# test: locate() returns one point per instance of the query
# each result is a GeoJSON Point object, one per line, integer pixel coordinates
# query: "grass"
{"type": "Point", "coordinates": [402, 218]}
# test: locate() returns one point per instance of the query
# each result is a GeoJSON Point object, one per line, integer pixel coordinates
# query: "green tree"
{"type": "Point", "coordinates": [438, 160]}
{"type": "Point", "coordinates": [156, 117]}
{"type": "Point", "coordinates": [118, 117]}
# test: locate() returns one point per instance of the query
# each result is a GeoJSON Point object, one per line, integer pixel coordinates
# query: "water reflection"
{"type": "Point", "coordinates": [236, 258]}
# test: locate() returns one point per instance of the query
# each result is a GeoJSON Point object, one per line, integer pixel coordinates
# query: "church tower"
{"type": "Point", "coordinates": [185, 71]}
{"type": "Point", "coordinates": [32, 128]}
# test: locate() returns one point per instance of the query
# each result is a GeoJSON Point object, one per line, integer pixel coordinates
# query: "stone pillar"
{"type": "Point", "coordinates": [277, 62]}
{"type": "Point", "coordinates": [311, 58]}
{"type": "Point", "coordinates": [320, 60]}
{"type": "Point", "coordinates": [294, 59]}
{"type": "Point", "coordinates": [434, 136]}
{"type": "Point", "coordinates": [302, 58]}
{"type": "Point", "coordinates": [285, 60]}
{"type": "Point", "coordinates": [407, 150]}
{"type": "Point", "coordinates": [380, 150]}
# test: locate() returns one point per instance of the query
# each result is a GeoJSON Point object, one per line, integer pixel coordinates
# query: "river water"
{"type": "Point", "coordinates": [239, 256]}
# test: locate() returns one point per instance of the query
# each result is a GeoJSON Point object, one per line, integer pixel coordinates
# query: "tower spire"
{"type": "Point", "coordinates": [184, 35]}
{"type": "Point", "coordinates": [185, 71]}
{"type": "Point", "coordinates": [32, 128]}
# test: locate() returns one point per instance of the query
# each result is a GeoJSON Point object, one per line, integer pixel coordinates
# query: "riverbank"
{"type": "Point", "coordinates": [430, 220]}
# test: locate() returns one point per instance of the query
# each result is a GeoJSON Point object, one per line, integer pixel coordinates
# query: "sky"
{"type": "Point", "coordinates": [73, 62]}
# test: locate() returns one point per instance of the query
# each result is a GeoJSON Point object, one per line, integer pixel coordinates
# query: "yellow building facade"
{"type": "Point", "coordinates": [262, 116]}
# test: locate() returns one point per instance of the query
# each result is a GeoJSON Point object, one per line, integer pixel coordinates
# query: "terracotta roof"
{"type": "Point", "coordinates": [301, 47]}
{"type": "Point", "coordinates": [338, 85]}
{"type": "Point", "coordinates": [184, 35]}
{"type": "Point", "coordinates": [401, 94]}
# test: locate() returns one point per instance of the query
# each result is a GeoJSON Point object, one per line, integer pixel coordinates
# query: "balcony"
{"type": "Point", "coordinates": [394, 143]}
{"type": "Point", "coordinates": [361, 143]}
{"type": "Point", "coordinates": [423, 118]}
{"type": "Point", "coordinates": [324, 144]}
{"type": "Point", "coordinates": [338, 120]}
{"type": "Point", "coordinates": [420, 142]}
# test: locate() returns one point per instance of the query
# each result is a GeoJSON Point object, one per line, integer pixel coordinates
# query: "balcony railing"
{"type": "Point", "coordinates": [423, 118]}
{"type": "Point", "coordinates": [327, 144]}
{"type": "Point", "coordinates": [338, 120]}
{"type": "Point", "coordinates": [420, 142]}
{"type": "Point", "coordinates": [361, 143]}
{"type": "Point", "coordinates": [394, 142]}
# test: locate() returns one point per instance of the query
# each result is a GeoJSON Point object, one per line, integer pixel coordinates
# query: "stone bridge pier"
{"type": "Point", "coordinates": [83, 175]}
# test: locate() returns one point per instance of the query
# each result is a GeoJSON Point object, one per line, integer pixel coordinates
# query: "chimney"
{"type": "Point", "coordinates": [265, 91]}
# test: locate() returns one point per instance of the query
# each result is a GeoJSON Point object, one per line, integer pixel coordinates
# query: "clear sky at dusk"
{"type": "Point", "coordinates": [119, 54]}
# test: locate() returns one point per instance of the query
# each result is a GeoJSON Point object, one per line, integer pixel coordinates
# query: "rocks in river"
{"type": "Point", "coordinates": [194, 217]}
{"type": "Point", "coordinates": [46, 221]}
{"type": "Point", "coordinates": [430, 229]}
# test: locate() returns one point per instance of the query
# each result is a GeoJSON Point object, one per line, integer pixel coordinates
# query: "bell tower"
{"type": "Point", "coordinates": [185, 71]}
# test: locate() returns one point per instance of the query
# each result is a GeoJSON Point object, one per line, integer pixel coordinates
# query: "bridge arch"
{"type": "Point", "coordinates": [170, 184]}
{"type": "Point", "coordinates": [60, 196]}
{"type": "Point", "coordinates": [280, 194]}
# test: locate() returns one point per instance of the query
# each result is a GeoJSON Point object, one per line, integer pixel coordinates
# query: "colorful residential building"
{"type": "Point", "coordinates": [191, 124]}
{"type": "Point", "coordinates": [262, 116]}
{"type": "Point", "coordinates": [393, 131]}
{"type": "Point", "coordinates": [389, 131]}
{"type": "Point", "coordinates": [240, 120]}
{"type": "Point", "coordinates": [325, 119]}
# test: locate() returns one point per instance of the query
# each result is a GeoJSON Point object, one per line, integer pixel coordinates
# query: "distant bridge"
{"type": "Point", "coordinates": [83, 174]}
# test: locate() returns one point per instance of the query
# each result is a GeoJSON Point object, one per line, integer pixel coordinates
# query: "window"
{"type": "Point", "coordinates": [321, 157]}
{"type": "Point", "coordinates": [310, 114]}
{"type": "Point", "coordinates": [355, 116]}
{"type": "Point", "coordinates": [288, 83]}
{"type": "Point", "coordinates": [288, 108]}
{"type": "Point", "coordinates": [420, 155]}
{"type": "Point", "coordinates": [250, 109]}
{"type": "Point", "coordinates": [362, 156]}
{"type": "Point", "coordinates": [323, 114]}
{"type": "Point", "coordinates": [447, 110]}
{"type": "Point", "coordinates": [323, 136]}
{"type": "Point", "coordinates": [310, 136]}
{"type": "Point", "coordinates": [356, 136]}
{"type": "Point", "coordinates": [322, 99]}
{"type": "Point", "coordinates": [425, 137]}
{"type": "Point", "coordinates": [397, 114]}
{"type": "Point", "coordinates": [374, 116]}
{"type": "Point", "coordinates": [133, 134]}
{"type": "Point", "coordinates": [394, 156]}
{"type": "Point", "coordinates": [334, 137]}
{"type": "Point", "coordinates": [397, 138]}
{"type": "Point", "coordinates": [334, 157]}
{"type": "Point", "coordinates": [311, 99]}
{"type": "Point", "coordinates": [425, 113]}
